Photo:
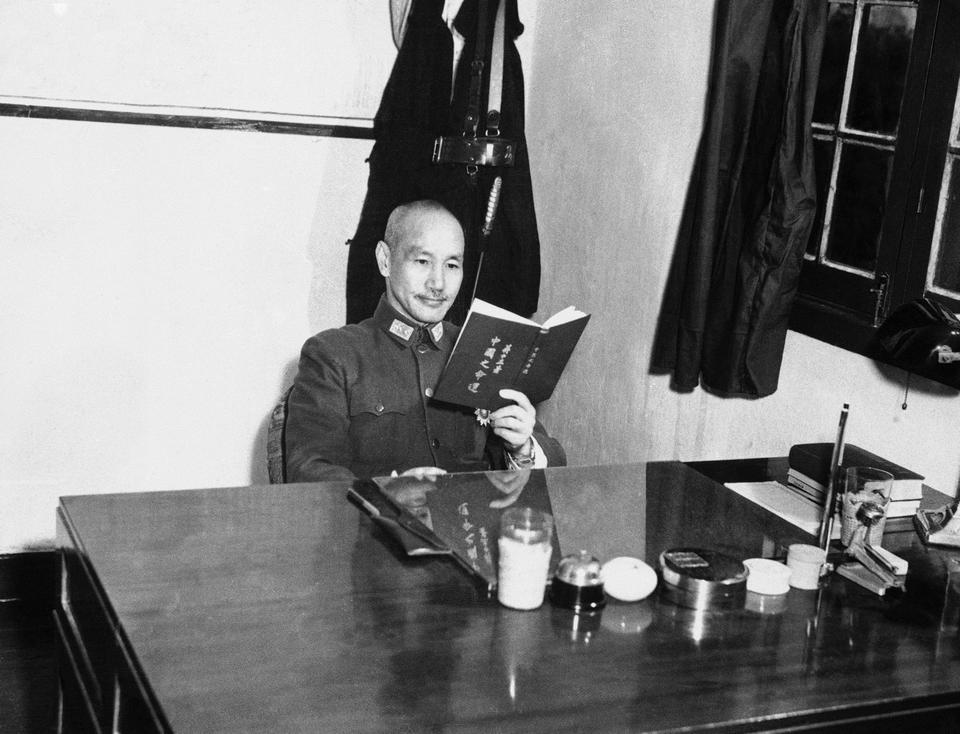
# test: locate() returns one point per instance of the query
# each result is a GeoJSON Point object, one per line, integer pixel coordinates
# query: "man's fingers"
{"type": "Point", "coordinates": [510, 422]}
{"type": "Point", "coordinates": [518, 397]}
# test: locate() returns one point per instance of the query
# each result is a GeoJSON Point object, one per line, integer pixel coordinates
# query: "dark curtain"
{"type": "Point", "coordinates": [751, 202]}
{"type": "Point", "coordinates": [415, 108]}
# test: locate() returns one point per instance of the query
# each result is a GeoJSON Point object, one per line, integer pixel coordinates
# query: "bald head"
{"type": "Point", "coordinates": [408, 219]}
{"type": "Point", "coordinates": [421, 260]}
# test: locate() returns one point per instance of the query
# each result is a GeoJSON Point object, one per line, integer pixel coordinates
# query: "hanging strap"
{"type": "Point", "coordinates": [495, 87]}
{"type": "Point", "coordinates": [495, 90]}
{"type": "Point", "coordinates": [472, 119]}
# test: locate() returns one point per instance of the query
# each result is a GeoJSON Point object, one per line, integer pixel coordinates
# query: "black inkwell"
{"type": "Point", "coordinates": [577, 584]}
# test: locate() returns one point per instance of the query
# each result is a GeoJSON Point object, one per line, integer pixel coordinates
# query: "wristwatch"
{"type": "Point", "coordinates": [524, 461]}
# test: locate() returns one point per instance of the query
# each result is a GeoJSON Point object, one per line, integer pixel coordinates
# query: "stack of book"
{"type": "Point", "coordinates": [810, 468]}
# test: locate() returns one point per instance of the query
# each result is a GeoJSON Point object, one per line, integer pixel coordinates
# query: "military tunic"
{"type": "Point", "coordinates": [362, 406]}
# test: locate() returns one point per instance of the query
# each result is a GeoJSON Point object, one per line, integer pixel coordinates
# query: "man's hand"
{"type": "Point", "coordinates": [514, 423]}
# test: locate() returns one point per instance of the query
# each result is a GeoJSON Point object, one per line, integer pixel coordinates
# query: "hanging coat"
{"type": "Point", "coordinates": [751, 203]}
{"type": "Point", "coordinates": [416, 107]}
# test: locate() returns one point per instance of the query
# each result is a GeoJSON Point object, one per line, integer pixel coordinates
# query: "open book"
{"type": "Point", "coordinates": [456, 515]}
{"type": "Point", "coordinates": [498, 349]}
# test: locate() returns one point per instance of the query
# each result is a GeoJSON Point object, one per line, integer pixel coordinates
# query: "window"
{"type": "Point", "coordinates": [943, 272]}
{"type": "Point", "coordinates": [886, 128]}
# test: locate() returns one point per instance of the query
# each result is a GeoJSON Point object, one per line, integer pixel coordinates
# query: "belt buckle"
{"type": "Point", "coordinates": [481, 151]}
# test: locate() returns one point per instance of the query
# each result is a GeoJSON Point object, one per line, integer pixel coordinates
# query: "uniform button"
{"type": "Point", "coordinates": [379, 408]}
{"type": "Point", "coordinates": [428, 392]}
{"type": "Point", "coordinates": [436, 443]}
{"type": "Point", "coordinates": [422, 349]}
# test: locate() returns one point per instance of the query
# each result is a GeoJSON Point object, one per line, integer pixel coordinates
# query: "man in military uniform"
{"type": "Point", "coordinates": [361, 404]}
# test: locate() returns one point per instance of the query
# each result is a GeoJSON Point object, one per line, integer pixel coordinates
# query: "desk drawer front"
{"type": "Point", "coordinates": [77, 711]}
{"type": "Point", "coordinates": [134, 713]}
{"type": "Point", "coordinates": [85, 617]}
{"type": "Point", "coordinates": [100, 682]}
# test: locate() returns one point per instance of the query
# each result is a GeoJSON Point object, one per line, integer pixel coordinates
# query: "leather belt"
{"type": "Point", "coordinates": [485, 151]}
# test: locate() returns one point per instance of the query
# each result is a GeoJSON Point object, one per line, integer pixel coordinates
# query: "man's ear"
{"type": "Point", "coordinates": [383, 258]}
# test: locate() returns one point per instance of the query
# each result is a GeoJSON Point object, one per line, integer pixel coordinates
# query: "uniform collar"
{"type": "Point", "coordinates": [405, 330]}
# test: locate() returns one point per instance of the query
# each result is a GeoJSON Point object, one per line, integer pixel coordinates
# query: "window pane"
{"type": "Point", "coordinates": [880, 68]}
{"type": "Point", "coordinates": [833, 67]}
{"type": "Point", "coordinates": [947, 270]}
{"type": "Point", "coordinates": [858, 205]}
{"type": "Point", "coordinates": [823, 161]}
{"type": "Point", "coordinates": [955, 127]}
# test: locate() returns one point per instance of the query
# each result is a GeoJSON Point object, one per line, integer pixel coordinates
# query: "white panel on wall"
{"type": "Point", "coordinates": [297, 57]}
{"type": "Point", "coordinates": [156, 285]}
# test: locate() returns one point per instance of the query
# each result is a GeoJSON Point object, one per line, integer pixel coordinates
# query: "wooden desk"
{"type": "Point", "coordinates": [282, 609]}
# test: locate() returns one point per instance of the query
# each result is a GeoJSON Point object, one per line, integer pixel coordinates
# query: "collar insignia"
{"type": "Point", "coordinates": [437, 332]}
{"type": "Point", "coordinates": [398, 328]}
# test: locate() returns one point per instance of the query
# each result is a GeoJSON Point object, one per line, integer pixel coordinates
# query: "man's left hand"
{"type": "Point", "coordinates": [514, 423]}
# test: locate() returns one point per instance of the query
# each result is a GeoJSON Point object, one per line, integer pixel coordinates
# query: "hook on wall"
{"type": "Point", "coordinates": [906, 390]}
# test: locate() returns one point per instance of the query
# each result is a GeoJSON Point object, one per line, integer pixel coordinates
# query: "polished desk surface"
{"type": "Point", "coordinates": [282, 608]}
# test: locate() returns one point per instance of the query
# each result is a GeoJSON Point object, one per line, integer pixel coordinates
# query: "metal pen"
{"type": "Point", "coordinates": [830, 500]}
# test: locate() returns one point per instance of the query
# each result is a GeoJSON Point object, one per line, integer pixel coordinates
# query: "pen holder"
{"type": "Point", "coordinates": [806, 564]}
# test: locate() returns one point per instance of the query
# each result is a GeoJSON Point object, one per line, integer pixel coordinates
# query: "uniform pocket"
{"type": "Point", "coordinates": [374, 405]}
{"type": "Point", "coordinates": [378, 429]}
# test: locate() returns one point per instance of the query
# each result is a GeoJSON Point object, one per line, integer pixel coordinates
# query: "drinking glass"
{"type": "Point", "coordinates": [865, 485]}
{"type": "Point", "coordinates": [525, 548]}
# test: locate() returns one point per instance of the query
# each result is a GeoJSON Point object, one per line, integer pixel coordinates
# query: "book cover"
{"type": "Point", "coordinates": [802, 485]}
{"type": "Point", "coordinates": [803, 488]}
{"type": "Point", "coordinates": [801, 480]}
{"type": "Point", "coordinates": [458, 514]}
{"type": "Point", "coordinates": [497, 349]}
{"type": "Point", "coordinates": [810, 463]}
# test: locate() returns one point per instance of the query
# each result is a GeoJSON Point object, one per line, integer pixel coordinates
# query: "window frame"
{"type": "Point", "coordinates": [906, 236]}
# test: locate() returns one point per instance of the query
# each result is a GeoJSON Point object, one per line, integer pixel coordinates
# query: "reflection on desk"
{"type": "Point", "coordinates": [284, 608]}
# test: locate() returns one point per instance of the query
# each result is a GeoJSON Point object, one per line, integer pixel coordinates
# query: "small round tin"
{"type": "Point", "coordinates": [697, 578]}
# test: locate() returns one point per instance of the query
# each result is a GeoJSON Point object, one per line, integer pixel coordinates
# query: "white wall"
{"type": "Point", "coordinates": [156, 283]}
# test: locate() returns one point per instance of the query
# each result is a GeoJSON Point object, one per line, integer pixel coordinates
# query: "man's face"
{"type": "Point", "coordinates": [423, 271]}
